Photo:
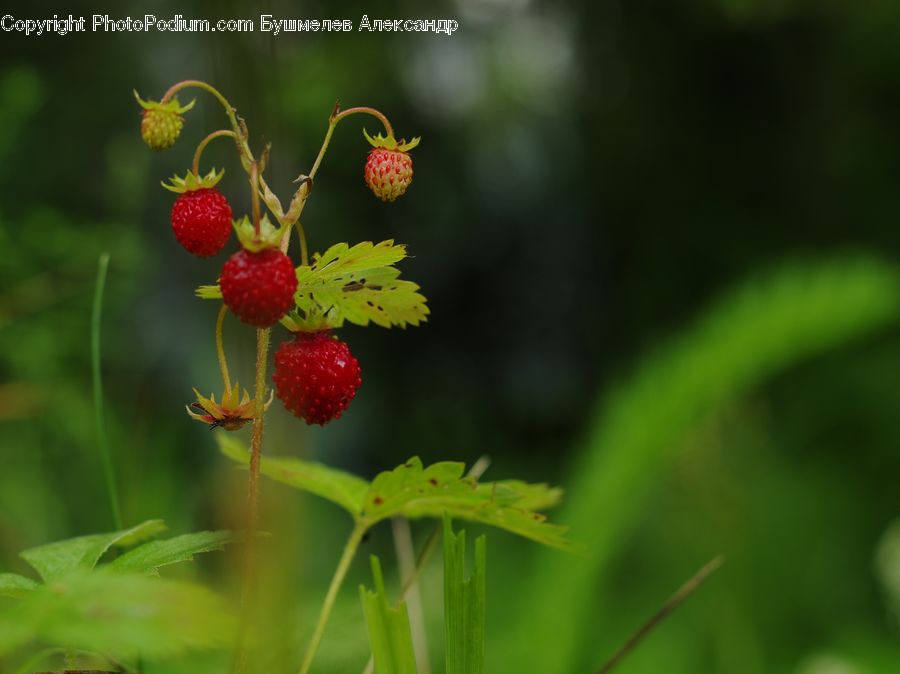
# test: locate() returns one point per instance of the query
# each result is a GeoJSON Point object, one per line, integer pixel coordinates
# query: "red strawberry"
{"type": "Point", "coordinates": [259, 287]}
{"type": "Point", "coordinates": [389, 169]}
{"type": "Point", "coordinates": [201, 220]}
{"type": "Point", "coordinates": [316, 376]}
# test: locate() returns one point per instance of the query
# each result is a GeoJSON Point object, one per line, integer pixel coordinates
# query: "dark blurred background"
{"type": "Point", "coordinates": [591, 176]}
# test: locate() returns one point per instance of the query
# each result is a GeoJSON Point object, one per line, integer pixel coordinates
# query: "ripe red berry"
{"type": "Point", "coordinates": [201, 220]}
{"type": "Point", "coordinates": [388, 172]}
{"type": "Point", "coordinates": [259, 287]}
{"type": "Point", "coordinates": [316, 376]}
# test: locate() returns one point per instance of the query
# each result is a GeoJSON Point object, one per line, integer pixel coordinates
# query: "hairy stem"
{"type": "Point", "coordinates": [262, 353]}
{"type": "Point", "coordinates": [102, 439]}
{"type": "Point", "coordinates": [248, 584]}
{"type": "Point", "coordinates": [220, 350]}
{"type": "Point", "coordinates": [254, 194]}
{"type": "Point", "coordinates": [195, 166]}
{"type": "Point", "coordinates": [337, 580]}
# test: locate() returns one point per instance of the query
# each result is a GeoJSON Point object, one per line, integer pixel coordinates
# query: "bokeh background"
{"type": "Point", "coordinates": [592, 177]}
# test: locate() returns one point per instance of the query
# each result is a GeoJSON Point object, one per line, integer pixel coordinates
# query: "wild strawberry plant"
{"type": "Point", "coordinates": [316, 376]}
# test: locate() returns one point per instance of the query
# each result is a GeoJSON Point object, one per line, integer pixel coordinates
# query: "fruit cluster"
{"type": "Point", "coordinates": [316, 376]}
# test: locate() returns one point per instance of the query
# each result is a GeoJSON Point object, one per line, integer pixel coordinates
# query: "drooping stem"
{"type": "Point", "coordinates": [102, 439]}
{"type": "Point", "coordinates": [241, 141]}
{"type": "Point", "coordinates": [195, 166]}
{"type": "Point", "coordinates": [337, 580]}
{"type": "Point", "coordinates": [254, 194]}
{"type": "Point", "coordinates": [220, 350]}
{"type": "Point", "coordinates": [367, 111]}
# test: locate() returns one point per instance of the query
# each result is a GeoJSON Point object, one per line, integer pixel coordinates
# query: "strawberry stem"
{"type": "Point", "coordinates": [368, 111]}
{"type": "Point", "coordinates": [195, 166]}
{"type": "Point", "coordinates": [220, 350]}
{"type": "Point", "coordinates": [254, 194]}
{"type": "Point", "coordinates": [248, 584]}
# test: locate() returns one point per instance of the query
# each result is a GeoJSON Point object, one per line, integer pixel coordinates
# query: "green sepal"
{"type": "Point", "coordinates": [171, 105]}
{"type": "Point", "coordinates": [193, 181]}
{"type": "Point", "coordinates": [269, 235]}
{"type": "Point", "coordinates": [312, 320]}
{"type": "Point", "coordinates": [391, 143]}
{"type": "Point", "coordinates": [213, 292]}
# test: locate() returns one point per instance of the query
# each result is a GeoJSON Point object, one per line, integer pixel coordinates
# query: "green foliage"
{"type": "Point", "coordinates": [120, 614]}
{"type": "Point", "coordinates": [149, 557]}
{"type": "Point", "coordinates": [56, 559]}
{"type": "Point", "coordinates": [337, 486]}
{"type": "Point", "coordinates": [414, 491]}
{"type": "Point", "coordinates": [464, 604]}
{"type": "Point", "coordinates": [360, 285]}
{"type": "Point", "coordinates": [752, 334]}
{"type": "Point", "coordinates": [116, 609]}
{"type": "Point", "coordinates": [388, 627]}
{"type": "Point", "coordinates": [14, 585]}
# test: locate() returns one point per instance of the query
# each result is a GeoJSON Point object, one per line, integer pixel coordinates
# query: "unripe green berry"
{"type": "Point", "coordinates": [161, 128]}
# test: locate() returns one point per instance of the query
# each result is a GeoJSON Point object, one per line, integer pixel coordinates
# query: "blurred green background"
{"type": "Point", "coordinates": [592, 177]}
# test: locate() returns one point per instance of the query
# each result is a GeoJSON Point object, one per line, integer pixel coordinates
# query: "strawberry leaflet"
{"type": "Point", "coordinates": [359, 284]}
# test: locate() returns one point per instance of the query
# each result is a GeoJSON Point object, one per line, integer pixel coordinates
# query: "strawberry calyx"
{"type": "Point", "coordinates": [298, 321]}
{"type": "Point", "coordinates": [231, 414]}
{"type": "Point", "coordinates": [193, 181]}
{"type": "Point", "coordinates": [269, 236]}
{"type": "Point", "coordinates": [172, 106]}
{"type": "Point", "coordinates": [391, 143]}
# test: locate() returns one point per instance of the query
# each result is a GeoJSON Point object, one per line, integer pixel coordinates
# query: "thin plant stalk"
{"type": "Point", "coordinates": [685, 591]}
{"type": "Point", "coordinates": [220, 350]}
{"type": "Point", "coordinates": [337, 580]}
{"type": "Point", "coordinates": [99, 418]}
{"type": "Point", "coordinates": [195, 165]}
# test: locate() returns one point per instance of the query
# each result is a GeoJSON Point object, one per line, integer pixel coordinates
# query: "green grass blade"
{"type": "Point", "coordinates": [751, 335]}
{"type": "Point", "coordinates": [102, 439]}
{"type": "Point", "coordinates": [389, 635]}
{"type": "Point", "coordinates": [464, 604]}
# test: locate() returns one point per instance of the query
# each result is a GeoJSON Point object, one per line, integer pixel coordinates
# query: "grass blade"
{"type": "Point", "coordinates": [102, 439]}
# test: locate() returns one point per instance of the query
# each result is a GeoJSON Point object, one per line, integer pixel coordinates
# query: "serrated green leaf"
{"type": "Point", "coordinates": [55, 559]}
{"type": "Point", "coordinates": [209, 292]}
{"type": "Point", "coordinates": [120, 614]}
{"type": "Point", "coordinates": [464, 604]}
{"type": "Point", "coordinates": [151, 556]}
{"type": "Point", "coordinates": [414, 491]}
{"type": "Point", "coordinates": [388, 627]}
{"type": "Point", "coordinates": [522, 494]}
{"type": "Point", "coordinates": [14, 585]}
{"type": "Point", "coordinates": [344, 489]}
{"type": "Point", "coordinates": [360, 285]}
